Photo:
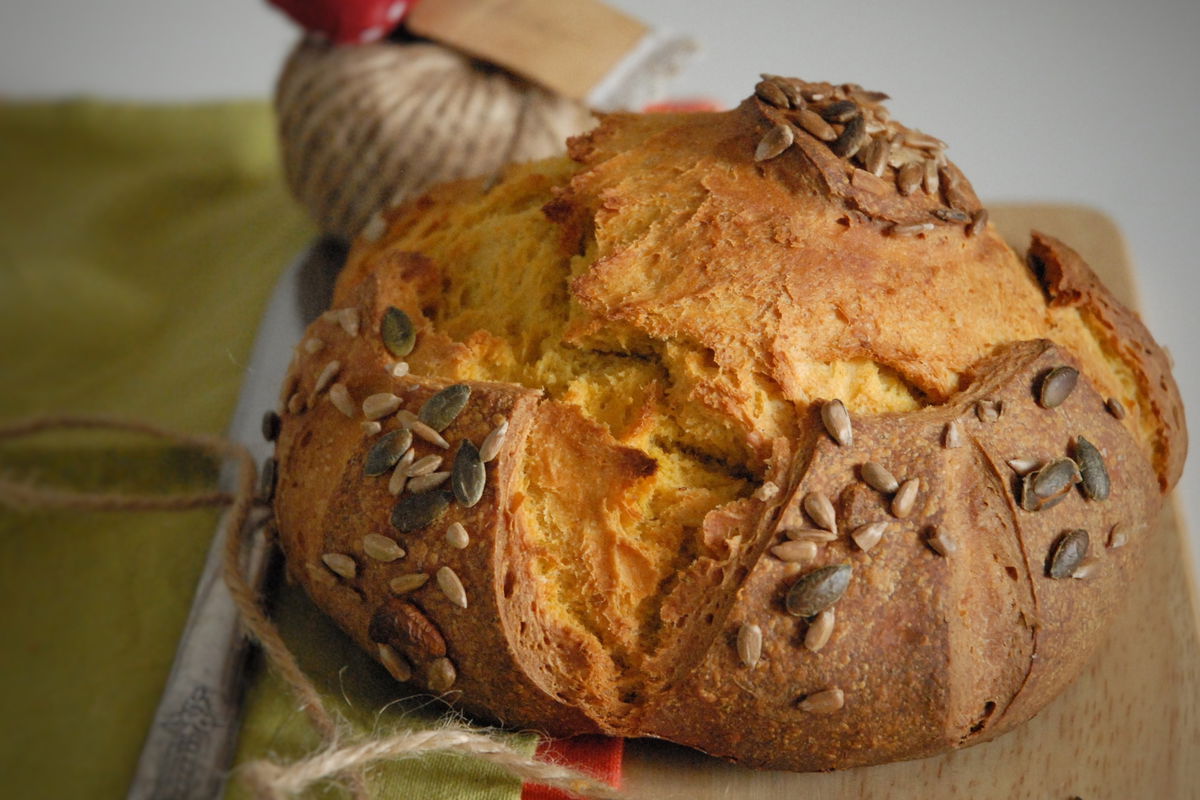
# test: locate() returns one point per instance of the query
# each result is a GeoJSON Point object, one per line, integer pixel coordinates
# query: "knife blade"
{"type": "Point", "coordinates": [188, 747]}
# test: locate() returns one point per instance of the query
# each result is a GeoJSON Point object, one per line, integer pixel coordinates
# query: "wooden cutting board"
{"type": "Point", "coordinates": [1129, 727]}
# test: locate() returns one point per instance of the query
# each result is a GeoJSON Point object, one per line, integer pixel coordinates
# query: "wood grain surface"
{"type": "Point", "coordinates": [1129, 727]}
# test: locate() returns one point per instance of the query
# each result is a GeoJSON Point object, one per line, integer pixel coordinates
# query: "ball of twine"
{"type": "Point", "coordinates": [364, 128]}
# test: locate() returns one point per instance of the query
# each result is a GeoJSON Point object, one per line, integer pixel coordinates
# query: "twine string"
{"type": "Point", "coordinates": [340, 755]}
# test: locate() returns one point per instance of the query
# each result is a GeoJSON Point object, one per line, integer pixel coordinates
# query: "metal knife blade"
{"type": "Point", "coordinates": [187, 752]}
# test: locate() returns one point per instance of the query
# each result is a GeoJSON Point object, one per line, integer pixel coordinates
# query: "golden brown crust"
{"type": "Point", "coordinates": [703, 305]}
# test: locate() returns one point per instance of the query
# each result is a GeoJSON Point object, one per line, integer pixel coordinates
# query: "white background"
{"type": "Point", "coordinates": [1072, 101]}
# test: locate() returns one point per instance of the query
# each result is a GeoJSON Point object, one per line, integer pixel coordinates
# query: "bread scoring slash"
{"type": "Point", "coordinates": [741, 429]}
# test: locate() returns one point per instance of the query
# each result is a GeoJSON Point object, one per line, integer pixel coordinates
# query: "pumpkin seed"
{"type": "Point", "coordinates": [1093, 474]}
{"type": "Point", "coordinates": [468, 475]}
{"type": "Point", "coordinates": [1055, 478]}
{"type": "Point", "coordinates": [415, 511]}
{"type": "Point", "coordinates": [825, 702]}
{"type": "Point", "coordinates": [818, 590]}
{"type": "Point", "coordinates": [270, 426]}
{"type": "Point", "coordinates": [820, 510]}
{"type": "Point", "coordinates": [749, 644]}
{"type": "Point", "coordinates": [878, 477]}
{"type": "Point", "coordinates": [441, 409]}
{"type": "Point", "coordinates": [1057, 386]}
{"type": "Point", "coordinates": [387, 451]}
{"type": "Point", "coordinates": [1068, 553]}
{"type": "Point", "coordinates": [397, 331]}
{"type": "Point", "coordinates": [819, 631]}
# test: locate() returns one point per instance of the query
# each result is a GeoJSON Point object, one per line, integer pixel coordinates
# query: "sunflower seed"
{"type": "Point", "coordinates": [851, 139]}
{"type": "Point", "coordinates": [989, 410]}
{"type": "Point", "coordinates": [1067, 554]}
{"type": "Point", "coordinates": [327, 375]}
{"type": "Point", "coordinates": [811, 121]}
{"type": "Point", "coordinates": [1086, 568]}
{"type": "Point", "coordinates": [313, 345]}
{"type": "Point", "coordinates": [1055, 478]}
{"type": "Point", "coordinates": [861, 179]}
{"type": "Point", "coordinates": [1092, 472]}
{"type": "Point", "coordinates": [940, 541]}
{"type": "Point", "coordinates": [1023, 466]}
{"type": "Point", "coordinates": [795, 552]}
{"type": "Point", "coordinates": [340, 397]}
{"type": "Point", "coordinates": [378, 406]}
{"type": "Point", "coordinates": [794, 96]}
{"type": "Point", "coordinates": [415, 511]}
{"type": "Point", "coordinates": [442, 675]}
{"type": "Point", "coordinates": [399, 369]}
{"type": "Point", "coordinates": [950, 215]}
{"type": "Point", "coordinates": [749, 644]}
{"type": "Point", "coordinates": [381, 548]}
{"type": "Point", "coordinates": [1118, 536]}
{"type": "Point", "coordinates": [493, 442]}
{"type": "Point", "coordinates": [267, 477]}
{"type": "Point", "coordinates": [451, 586]}
{"type": "Point", "coordinates": [837, 422]}
{"type": "Point", "coordinates": [906, 498]}
{"type": "Point", "coordinates": [820, 510]}
{"type": "Point", "coordinates": [441, 409]}
{"type": "Point", "coordinates": [424, 466]}
{"type": "Point", "coordinates": [400, 474]}
{"type": "Point", "coordinates": [841, 111]}
{"type": "Point", "coordinates": [952, 435]}
{"type": "Point", "coordinates": [295, 403]}
{"type": "Point", "coordinates": [1057, 386]}
{"type": "Point", "coordinates": [932, 183]}
{"type": "Point", "coordinates": [819, 631]}
{"type": "Point", "coordinates": [271, 425]}
{"type": "Point", "coordinates": [978, 222]}
{"type": "Point", "coordinates": [776, 140]}
{"type": "Point", "coordinates": [916, 138]}
{"type": "Point", "coordinates": [867, 536]}
{"type": "Point", "coordinates": [874, 156]}
{"type": "Point", "coordinates": [387, 451]}
{"type": "Point", "coordinates": [952, 189]}
{"type": "Point", "coordinates": [468, 475]}
{"type": "Point", "coordinates": [868, 96]}
{"type": "Point", "coordinates": [1115, 407]}
{"type": "Point", "coordinates": [395, 663]}
{"type": "Point", "coordinates": [825, 702]}
{"type": "Point", "coordinates": [423, 483]}
{"type": "Point", "coordinates": [809, 535]}
{"type": "Point", "coordinates": [348, 319]}
{"type": "Point", "coordinates": [818, 590]}
{"type": "Point", "coordinates": [912, 229]}
{"type": "Point", "coordinates": [370, 427]}
{"type": "Point", "coordinates": [908, 179]}
{"type": "Point", "coordinates": [397, 331]}
{"type": "Point", "coordinates": [878, 477]}
{"type": "Point", "coordinates": [456, 536]}
{"type": "Point", "coordinates": [771, 93]}
{"type": "Point", "coordinates": [404, 584]}
{"type": "Point", "coordinates": [410, 421]}
{"type": "Point", "coordinates": [341, 564]}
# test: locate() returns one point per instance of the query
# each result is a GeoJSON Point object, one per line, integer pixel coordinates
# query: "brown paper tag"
{"type": "Point", "coordinates": [568, 46]}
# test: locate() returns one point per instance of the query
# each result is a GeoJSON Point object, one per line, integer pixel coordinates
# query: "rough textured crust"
{"type": "Point", "coordinates": [740, 296]}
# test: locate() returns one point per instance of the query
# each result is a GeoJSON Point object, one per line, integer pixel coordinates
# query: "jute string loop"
{"type": "Point", "coordinates": [364, 128]}
{"type": "Point", "coordinates": [340, 755]}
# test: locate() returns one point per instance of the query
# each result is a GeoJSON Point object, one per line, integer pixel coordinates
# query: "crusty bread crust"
{"type": "Point", "coordinates": [786, 273]}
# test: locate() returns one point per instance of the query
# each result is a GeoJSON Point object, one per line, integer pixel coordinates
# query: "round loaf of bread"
{"type": "Point", "coordinates": [744, 430]}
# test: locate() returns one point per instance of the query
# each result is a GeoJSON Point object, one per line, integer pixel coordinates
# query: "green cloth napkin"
{"type": "Point", "coordinates": [138, 246]}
